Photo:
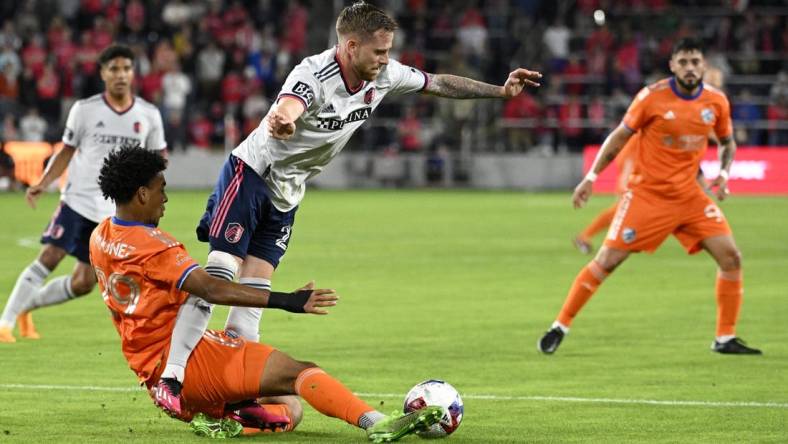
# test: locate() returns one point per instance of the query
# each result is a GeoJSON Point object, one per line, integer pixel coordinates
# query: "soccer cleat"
{"type": "Point", "coordinates": [582, 245]}
{"type": "Point", "coordinates": [26, 327]}
{"type": "Point", "coordinates": [204, 425]}
{"type": "Point", "coordinates": [550, 341]}
{"type": "Point", "coordinates": [735, 346]}
{"type": "Point", "coordinates": [401, 424]}
{"type": "Point", "coordinates": [250, 414]}
{"type": "Point", "coordinates": [167, 396]}
{"type": "Point", "coordinates": [6, 335]}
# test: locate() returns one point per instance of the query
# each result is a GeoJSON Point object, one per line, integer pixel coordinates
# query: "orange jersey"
{"type": "Point", "coordinates": [673, 132]}
{"type": "Point", "coordinates": [140, 270]}
{"type": "Point", "coordinates": [625, 161]}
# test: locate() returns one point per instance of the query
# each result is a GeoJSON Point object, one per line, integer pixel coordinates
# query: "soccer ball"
{"type": "Point", "coordinates": [440, 393]}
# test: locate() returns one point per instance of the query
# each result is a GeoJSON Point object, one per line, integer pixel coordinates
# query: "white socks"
{"type": "Point", "coordinates": [369, 419]}
{"type": "Point", "coordinates": [27, 284]}
{"type": "Point", "coordinates": [190, 325]}
{"type": "Point", "coordinates": [724, 338]}
{"type": "Point", "coordinates": [54, 292]}
{"type": "Point", "coordinates": [246, 320]}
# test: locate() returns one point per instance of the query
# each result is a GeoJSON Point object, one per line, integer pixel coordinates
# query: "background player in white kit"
{"type": "Point", "coordinates": [249, 216]}
{"type": "Point", "coordinates": [95, 126]}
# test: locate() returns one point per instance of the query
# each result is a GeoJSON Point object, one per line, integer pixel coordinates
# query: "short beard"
{"type": "Point", "coordinates": [687, 86]}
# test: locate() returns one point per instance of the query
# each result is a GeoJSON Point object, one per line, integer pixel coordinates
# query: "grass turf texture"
{"type": "Point", "coordinates": [452, 285]}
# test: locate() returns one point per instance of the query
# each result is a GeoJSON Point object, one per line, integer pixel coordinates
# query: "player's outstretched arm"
{"type": "Point", "coordinates": [727, 148]}
{"type": "Point", "coordinates": [281, 119]}
{"type": "Point", "coordinates": [612, 145]}
{"type": "Point", "coordinates": [56, 166]}
{"type": "Point", "coordinates": [457, 87]}
{"type": "Point", "coordinates": [219, 291]}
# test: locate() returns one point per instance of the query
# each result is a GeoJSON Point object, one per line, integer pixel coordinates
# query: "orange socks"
{"type": "Point", "coordinates": [602, 221]}
{"type": "Point", "coordinates": [584, 286]}
{"type": "Point", "coordinates": [329, 397]}
{"type": "Point", "coordinates": [729, 296]}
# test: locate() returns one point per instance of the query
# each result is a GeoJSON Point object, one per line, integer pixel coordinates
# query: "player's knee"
{"type": "Point", "coordinates": [50, 256]}
{"type": "Point", "coordinates": [222, 265]}
{"type": "Point", "coordinates": [295, 409]}
{"type": "Point", "coordinates": [731, 260]}
{"type": "Point", "coordinates": [82, 286]}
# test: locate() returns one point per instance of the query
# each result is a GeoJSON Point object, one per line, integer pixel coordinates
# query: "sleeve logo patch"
{"type": "Point", "coordinates": [304, 91]}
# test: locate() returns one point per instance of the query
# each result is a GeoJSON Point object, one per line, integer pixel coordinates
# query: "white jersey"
{"type": "Point", "coordinates": [333, 112]}
{"type": "Point", "coordinates": [95, 129]}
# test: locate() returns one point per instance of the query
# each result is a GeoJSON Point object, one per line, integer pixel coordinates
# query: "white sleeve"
{"type": "Point", "coordinates": [72, 135]}
{"type": "Point", "coordinates": [302, 85]}
{"type": "Point", "coordinates": [155, 140]}
{"type": "Point", "coordinates": [406, 79]}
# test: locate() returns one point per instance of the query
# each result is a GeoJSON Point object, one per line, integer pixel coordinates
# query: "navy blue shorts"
{"type": "Point", "coordinates": [70, 231]}
{"type": "Point", "coordinates": [240, 218]}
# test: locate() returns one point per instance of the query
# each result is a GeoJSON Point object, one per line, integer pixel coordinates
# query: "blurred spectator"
{"type": "Point", "coordinates": [210, 67]}
{"type": "Point", "coordinates": [176, 87]}
{"type": "Point", "coordinates": [472, 34]}
{"type": "Point", "coordinates": [570, 115]}
{"type": "Point", "coordinates": [32, 127]}
{"type": "Point", "coordinates": [200, 131]}
{"type": "Point", "coordinates": [9, 37]}
{"type": "Point", "coordinates": [9, 57]}
{"type": "Point", "coordinates": [48, 92]}
{"type": "Point", "coordinates": [747, 112]}
{"type": "Point", "coordinates": [232, 91]}
{"type": "Point", "coordinates": [556, 38]}
{"type": "Point", "coordinates": [135, 16]}
{"type": "Point", "coordinates": [409, 129]}
{"type": "Point", "coordinates": [255, 106]}
{"type": "Point", "coordinates": [523, 108]}
{"type": "Point", "coordinates": [8, 129]}
{"type": "Point", "coordinates": [295, 32]}
{"type": "Point", "coordinates": [9, 85]}
{"type": "Point", "coordinates": [777, 115]}
{"type": "Point", "coordinates": [34, 55]}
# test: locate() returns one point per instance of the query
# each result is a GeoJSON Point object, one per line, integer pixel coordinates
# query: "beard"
{"type": "Point", "coordinates": [689, 85]}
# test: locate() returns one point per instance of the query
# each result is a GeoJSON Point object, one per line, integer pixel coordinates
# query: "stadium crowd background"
{"type": "Point", "coordinates": [214, 66]}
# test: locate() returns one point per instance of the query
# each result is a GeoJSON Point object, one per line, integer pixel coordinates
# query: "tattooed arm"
{"type": "Point", "coordinates": [610, 149]}
{"type": "Point", "coordinates": [726, 150]}
{"type": "Point", "coordinates": [457, 87]}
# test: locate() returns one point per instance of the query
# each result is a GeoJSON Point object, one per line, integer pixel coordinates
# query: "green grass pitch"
{"type": "Point", "coordinates": [454, 285]}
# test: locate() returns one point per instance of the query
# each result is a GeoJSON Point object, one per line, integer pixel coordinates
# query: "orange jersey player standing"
{"type": "Point", "coordinates": [146, 277]}
{"type": "Point", "coordinates": [672, 119]}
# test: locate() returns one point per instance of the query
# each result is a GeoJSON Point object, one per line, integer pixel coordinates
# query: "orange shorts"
{"type": "Point", "coordinates": [221, 370]}
{"type": "Point", "coordinates": [644, 220]}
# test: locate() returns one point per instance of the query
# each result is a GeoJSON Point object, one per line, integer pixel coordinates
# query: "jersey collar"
{"type": "Point", "coordinates": [122, 112]}
{"type": "Point", "coordinates": [126, 223]}
{"type": "Point", "coordinates": [676, 91]}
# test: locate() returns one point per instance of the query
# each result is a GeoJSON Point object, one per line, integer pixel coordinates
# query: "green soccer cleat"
{"type": "Point", "coordinates": [398, 424]}
{"type": "Point", "coordinates": [204, 425]}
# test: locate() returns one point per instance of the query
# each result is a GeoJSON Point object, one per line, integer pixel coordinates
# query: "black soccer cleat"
{"type": "Point", "coordinates": [550, 341]}
{"type": "Point", "coordinates": [735, 346]}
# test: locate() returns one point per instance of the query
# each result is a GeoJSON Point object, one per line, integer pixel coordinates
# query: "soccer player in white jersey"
{"type": "Point", "coordinates": [95, 127]}
{"type": "Point", "coordinates": [325, 99]}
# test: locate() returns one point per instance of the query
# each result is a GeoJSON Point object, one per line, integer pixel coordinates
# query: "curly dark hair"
{"type": "Point", "coordinates": [364, 19]}
{"type": "Point", "coordinates": [114, 51]}
{"type": "Point", "coordinates": [127, 169]}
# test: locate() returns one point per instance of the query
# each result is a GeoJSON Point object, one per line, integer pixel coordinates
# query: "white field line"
{"type": "Point", "coordinates": [776, 405]}
{"type": "Point", "coordinates": [28, 242]}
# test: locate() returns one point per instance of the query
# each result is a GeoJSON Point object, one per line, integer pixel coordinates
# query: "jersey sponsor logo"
{"type": "Point", "coordinates": [669, 115]}
{"type": "Point", "coordinates": [369, 96]}
{"type": "Point", "coordinates": [233, 232]}
{"type": "Point", "coordinates": [628, 235]}
{"type": "Point", "coordinates": [707, 115]}
{"type": "Point", "coordinates": [114, 139]}
{"type": "Point", "coordinates": [304, 91]}
{"type": "Point", "coordinates": [137, 127]}
{"type": "Point", "coordinates": [100, 124]}
{"type": "Point", "coordinates": [336, 124]}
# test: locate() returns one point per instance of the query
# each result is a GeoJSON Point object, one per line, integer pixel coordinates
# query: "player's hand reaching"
{"type": "Point", "coordinates": [32, 194]}
{"type": "Point", "coordinates": [519, 79]}
{"type": "Point", "coordinates": [317, 298]}
{"type": "Point", "coordinates": [721, 186]}
{"type": "Point", "coordinates": [279, 126]}
{"type": "Point", "coordinates": [582, 193]}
